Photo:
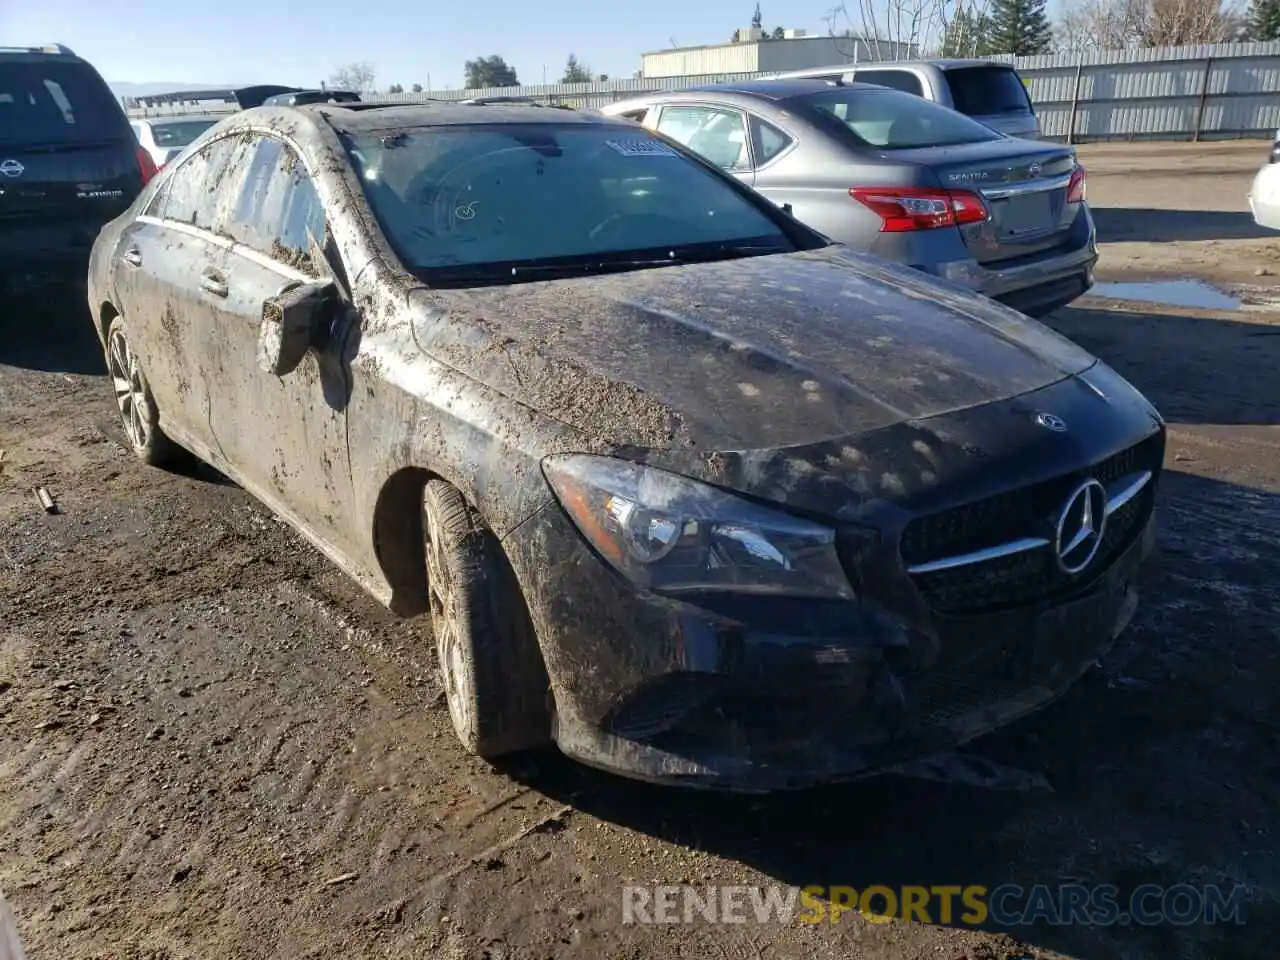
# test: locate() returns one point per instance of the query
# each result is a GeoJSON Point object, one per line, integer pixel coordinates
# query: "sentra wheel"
{"type": "Point", "coordinates": [490, 666]}
{"type": "Point", "coordinates": [138, 413]}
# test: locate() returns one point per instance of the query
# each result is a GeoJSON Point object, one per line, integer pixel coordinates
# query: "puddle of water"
{"type": "Point", "coordinates": [1173, 293]}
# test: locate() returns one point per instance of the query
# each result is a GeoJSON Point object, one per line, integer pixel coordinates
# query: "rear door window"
{"type": "Point", "coordinates": [768, 140]}
{"type": "Point", "coordinates": [903, 80]}
{"type": "Point", "coordinates": [192, 194]}
{"type": "Point", "coordinates": [51, 102]}
{"type": "Point", "coordinates": [717, 133]}
{"type": "Point", "coordinates": [986, 91]}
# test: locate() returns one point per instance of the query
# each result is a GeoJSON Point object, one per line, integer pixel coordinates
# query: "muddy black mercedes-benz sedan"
{"type": "Point", "coordinates": [681, 486]}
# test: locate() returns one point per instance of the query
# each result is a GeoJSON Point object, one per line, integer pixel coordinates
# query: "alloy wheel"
{"type": "Point", "coordinates": [130, 390]}
{"type": "Point", "coordinates": [444, 623]}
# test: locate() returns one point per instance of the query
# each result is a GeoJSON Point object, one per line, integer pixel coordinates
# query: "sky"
{"type": "Point", "coordinates": [302, 42]}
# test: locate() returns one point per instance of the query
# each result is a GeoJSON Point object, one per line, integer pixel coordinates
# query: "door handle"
{"type": "Point", "coordinates": [212, 282]}
{"type": "Point", "coordinates": [132, 256]}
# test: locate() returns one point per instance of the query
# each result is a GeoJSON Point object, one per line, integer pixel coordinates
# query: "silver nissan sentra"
{"type": "Point", "coordinates": [892, 174]}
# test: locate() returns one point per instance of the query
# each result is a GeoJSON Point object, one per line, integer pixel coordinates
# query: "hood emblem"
{"type": "Point", "coordinates": [1034, 169]}
{"type": "Point", "coordinates": [1050, 422]}
{"type": "Point", "coordinates": [11, 168]}
{"type": "Point", "coordinates": [1081, 526]}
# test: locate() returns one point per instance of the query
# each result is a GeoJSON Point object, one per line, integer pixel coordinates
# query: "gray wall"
{"type": "Point", "coordinates": [1196, 92]}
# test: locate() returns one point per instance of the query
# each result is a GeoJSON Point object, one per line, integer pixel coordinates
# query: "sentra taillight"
{"type": "Point", "coordinates": [1076, 185]}
{"type": "Point", "coordinates": [902, 209]}
{"type": "Point", "coordinates": [146, 166]}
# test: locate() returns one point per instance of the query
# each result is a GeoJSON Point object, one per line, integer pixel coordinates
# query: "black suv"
{"type": "Point", "coordinates": [69, 163]}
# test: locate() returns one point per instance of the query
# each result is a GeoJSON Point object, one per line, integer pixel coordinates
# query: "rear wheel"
{"type": "Point", "coordinates": [138, 413]}
{"type": "Point", "coordinates": [490, 666]}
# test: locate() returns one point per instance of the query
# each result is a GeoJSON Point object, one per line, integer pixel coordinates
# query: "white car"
{"type": "Point", "coordinates": [1264, 195]}
{"type": "Point", "coordinates": [165, 137]}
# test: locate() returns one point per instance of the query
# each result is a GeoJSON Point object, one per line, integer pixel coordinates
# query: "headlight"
{"type": "Point", "coordinates": [670, 534]}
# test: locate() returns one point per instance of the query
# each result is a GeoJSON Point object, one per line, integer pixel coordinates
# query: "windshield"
{"type": "Point", "coordinates": [984, 91]}
{"type": "Point", "coordinates": [892, 120]}
{"type": "Point", "coordinates": [46, 101]}
{"type": "Point", "coordinates": [179, 133]}
{"type": "Point", "coordinates": [495, 194]}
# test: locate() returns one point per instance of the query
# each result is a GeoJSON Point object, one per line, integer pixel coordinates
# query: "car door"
{"type": "Point", "coordinates": [718, 133]}
{"type": "Point", "coordinates": [285, 436]}
{"type": "Point", "coordinates": [164, 261]}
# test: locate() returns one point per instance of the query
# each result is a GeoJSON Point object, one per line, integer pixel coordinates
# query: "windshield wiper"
{"type": "Point", "coordinates": [514, 272]}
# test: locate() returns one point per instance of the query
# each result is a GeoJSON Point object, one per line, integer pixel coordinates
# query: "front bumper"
{"type": "Point", "coordinates": [768, 696]}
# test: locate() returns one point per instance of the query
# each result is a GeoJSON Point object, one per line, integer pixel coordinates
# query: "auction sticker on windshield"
{"type": "Point", "coordinates": [642, 147]}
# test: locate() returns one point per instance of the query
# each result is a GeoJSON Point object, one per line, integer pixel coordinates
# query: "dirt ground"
{"type": "Point", "coordinates": [214, 746]}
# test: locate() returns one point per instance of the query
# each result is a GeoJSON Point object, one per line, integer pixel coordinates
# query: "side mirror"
{"type": "Point", "coordinates": [291, 324]}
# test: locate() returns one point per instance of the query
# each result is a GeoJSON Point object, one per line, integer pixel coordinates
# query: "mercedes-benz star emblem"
{"type": "Point", "coordinates": [1050, 422]}
{"type": "Point", "coordinates": [1081, 525]}
{"type": "Point", "coordinates": [1034, 169]}
{"type": "Point", "coordinates": [11, 168]}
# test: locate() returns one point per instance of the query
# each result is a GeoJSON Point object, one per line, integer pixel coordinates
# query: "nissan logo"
{"type": "Point", "coordinates": [11, 168]}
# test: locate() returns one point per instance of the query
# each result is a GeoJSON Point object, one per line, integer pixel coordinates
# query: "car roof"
{"type": "Point", "coordinates": [942, 63]}
{"type": "Point", "coordinates": [783, 89]}
{"type": "Point", "coordinates": [360, 117]}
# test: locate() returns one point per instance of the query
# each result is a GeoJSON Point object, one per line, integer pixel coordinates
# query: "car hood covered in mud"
{"type": "Point", "coordinates": [755, 353]}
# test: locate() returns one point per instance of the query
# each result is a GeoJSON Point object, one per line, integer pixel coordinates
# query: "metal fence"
{"type": "Point", "coordinates": [1188, 93]}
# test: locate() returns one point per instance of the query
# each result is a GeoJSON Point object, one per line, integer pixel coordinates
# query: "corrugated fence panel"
{"type": "Point", "coordinates": [1051, 86]}
{"type": "Point", "coordinates": [1179, 78]}
{"type": "Point", "coordinates": [1119, 94]}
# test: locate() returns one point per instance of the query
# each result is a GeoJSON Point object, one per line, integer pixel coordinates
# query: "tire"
{"type": "Point", "coordinates": [138, 412]}
{"type": "Point", "coordinates": [490, 665]}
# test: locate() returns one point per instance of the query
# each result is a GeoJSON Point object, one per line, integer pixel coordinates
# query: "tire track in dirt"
{"type": "Point", "coordinates": [219, 744]}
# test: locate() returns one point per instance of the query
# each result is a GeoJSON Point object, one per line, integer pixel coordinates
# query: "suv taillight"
{"type": "Point", "coordinates": [902, 209]}
{"type": "Point", "coordinates": [146, 166]}
{"type": "Point", "coordinates": [1076, 185]}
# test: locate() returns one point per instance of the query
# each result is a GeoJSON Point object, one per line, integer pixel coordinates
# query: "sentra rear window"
{"type": "Point", "coordinates": [890, 119]}
{"type": "Point", "coordinates": [987, 91]}
{"type": "Point", "coordinates": [179, 133]}
{"type": "Point", "coordinates": [45, 101]}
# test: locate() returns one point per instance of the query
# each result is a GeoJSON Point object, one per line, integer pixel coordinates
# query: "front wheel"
{"type": "Point", "coordinates": [490, 665]}
{"type": "Point", "coordinates": [138, 413]}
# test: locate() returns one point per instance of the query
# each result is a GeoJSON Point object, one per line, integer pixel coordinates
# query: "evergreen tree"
{"type": "Point", "coordinates": [1264, 20]}
{"type": "Point", "coordinates": [575, 72]}
{"type": "Point", "coordinates": [1020, 27]}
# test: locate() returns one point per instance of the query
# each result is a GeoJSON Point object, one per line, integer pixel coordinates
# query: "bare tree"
{"type": "Point", "coordinates": [966, 30]}
{"type": "Point", "coordinates": [1176, 22]}
{"type": "Point", "coordinates": [892, 30]}
{"type": "Point", "coordinates": [1100, 25]}
{"type": "Point", "coordinates": [354, 76]}
{"type": "Point", "coordinates": [1125, 24]}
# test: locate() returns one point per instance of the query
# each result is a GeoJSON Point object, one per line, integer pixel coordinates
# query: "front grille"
{"type": "Point", "coordinates": [1032, 576]}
